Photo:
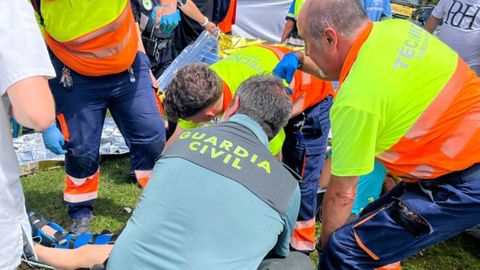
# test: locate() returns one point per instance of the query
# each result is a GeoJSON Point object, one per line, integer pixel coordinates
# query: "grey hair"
{"type": "Point", "coordinates": [263, 98]}
{"type": "Point", "coordinates": [345, 16]}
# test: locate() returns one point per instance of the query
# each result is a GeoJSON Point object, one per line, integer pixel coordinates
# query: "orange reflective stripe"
{"type": "Point", "coordinates": [446, 137]}
{"type": "Point", "coordinates": [365, 248]}
{"type": "Point", "coordinates": [439, 105]}
{"type": "Point", "coordinates": [81, 189]}
{"type": "Point", "coordinates": [353, 52]}
{"type": "Point", "coordinates": [359, 241]}
{"type": "Point", "coordinates": [63, 126]}
{"type": "Point", "coordinates": [108, 50]}
{"type": "Point", "coordinates": [227, 96]}
{"type": "Point", "coordinates": [226, 24]}
{"type": "Point", "coordinates": [465, 131]}
{"type": "Point", "coordinates": [143, 177]}
{"type": "Point", "coordinates": [303, 237]}
{"type": "Point", "coordinates": [392, 266]}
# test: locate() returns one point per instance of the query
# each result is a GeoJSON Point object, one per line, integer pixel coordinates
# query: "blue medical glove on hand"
{"type": "Point", "coordinates": [286, 68]}
{"type": "Point", "coordinates": [168, 22]}
{"type": "Point", "coordinates": [53, 140]}
{"type": "Point", "coordinates": [167, 17]}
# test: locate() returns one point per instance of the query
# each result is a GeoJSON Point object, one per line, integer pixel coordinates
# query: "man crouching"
{"type": "Point", "coordinates": [217, 198]}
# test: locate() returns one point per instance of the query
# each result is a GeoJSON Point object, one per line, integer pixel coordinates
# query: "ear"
{"type": "Point", "coordinates": [330, 38]}
{"type": "Point", "coordinates": [210, 114]}
{"type": "Point", "coordinates": [232, 109]}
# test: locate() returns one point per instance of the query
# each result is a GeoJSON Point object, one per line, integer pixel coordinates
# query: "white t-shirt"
{"type": "Point", "coordinates": [461, 27]}
{"type": "Point", "coordinates": [23, 54]}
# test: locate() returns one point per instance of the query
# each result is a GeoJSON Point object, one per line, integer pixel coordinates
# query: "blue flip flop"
{"type": "Point", "coordinates": [38, 223]}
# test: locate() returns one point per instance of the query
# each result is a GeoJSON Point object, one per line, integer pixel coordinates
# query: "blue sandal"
{"type": "Point", "coordinates": [64, 239]}
{"type": "Point", "coordinates": [78, 240]}
{"type": "Point", "coordinates": [37, 223]}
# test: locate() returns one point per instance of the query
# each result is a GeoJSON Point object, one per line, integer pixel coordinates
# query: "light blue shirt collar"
{"type": "Point", "coordinates": [252, 125]}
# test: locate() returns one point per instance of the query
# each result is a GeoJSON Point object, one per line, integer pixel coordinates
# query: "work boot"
{"type": "Point", "coordinates": [81, 225]}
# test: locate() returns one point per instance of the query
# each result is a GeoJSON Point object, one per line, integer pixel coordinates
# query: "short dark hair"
{"type": "Point", "coordinates": [263, 98]}
{"type": "Point", "coordinates": [194, 88]}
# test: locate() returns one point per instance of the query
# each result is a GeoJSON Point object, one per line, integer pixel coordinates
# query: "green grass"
{"type": "Point", "coordinates": [44, 191]}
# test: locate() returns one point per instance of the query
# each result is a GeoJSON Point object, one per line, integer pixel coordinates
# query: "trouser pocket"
{"type": "Point", "coordinates": [394, 225]}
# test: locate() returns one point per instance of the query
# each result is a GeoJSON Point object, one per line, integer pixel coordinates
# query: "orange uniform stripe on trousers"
{"type": "Point", "coordinates": [63, 126]}
{"type": "Point", "coordinates": [303, 237]}
{"type": "Point", "coordinates": [83, 185]}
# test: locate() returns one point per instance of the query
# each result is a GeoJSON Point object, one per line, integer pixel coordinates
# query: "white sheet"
{"type": "Point", "coordinates": [261, 19]}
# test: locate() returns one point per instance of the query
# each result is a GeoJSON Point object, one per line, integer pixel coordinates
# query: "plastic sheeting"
{"type": "Point", "coordinates": [30, 148]}
{"type": "Point", "coordinates": [261, 19]}
{"type": "Point", "coordinates": [203, 50]}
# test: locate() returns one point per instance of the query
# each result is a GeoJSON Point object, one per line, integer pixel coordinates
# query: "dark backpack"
{"type": "Point", "coordinates": [220, 10]}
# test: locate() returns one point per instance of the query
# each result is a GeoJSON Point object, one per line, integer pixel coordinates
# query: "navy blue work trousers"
{"type": "Point", "coordinates": [81, 111]}
{"type": "Point", "coordinates": [387, 233]}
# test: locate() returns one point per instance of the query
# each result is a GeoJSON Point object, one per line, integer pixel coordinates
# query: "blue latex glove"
{"type": "Point", "coordinates": [286, 68]}
{"type": "Point", "coordinates": [168, 21]}
{"type": "Point", "coordinates": [53, 140]}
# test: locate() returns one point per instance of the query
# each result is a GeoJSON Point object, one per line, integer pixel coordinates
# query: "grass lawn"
{"type": "Point", "coordinates": [43, 193]}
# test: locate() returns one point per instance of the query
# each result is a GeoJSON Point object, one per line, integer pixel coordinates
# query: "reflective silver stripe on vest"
{"type": "Point", "coordinates": [232, 150]}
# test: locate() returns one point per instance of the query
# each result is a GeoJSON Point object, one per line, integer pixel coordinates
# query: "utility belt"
{"type": "Point", "coordinates": [153, 45]}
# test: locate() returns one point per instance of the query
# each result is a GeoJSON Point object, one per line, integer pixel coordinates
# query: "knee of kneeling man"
{"type": "Point", "coordinates": [334, 245]}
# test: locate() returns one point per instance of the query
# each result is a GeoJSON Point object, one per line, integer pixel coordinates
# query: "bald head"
{"type": "Point", "coordinates": [347, 17]}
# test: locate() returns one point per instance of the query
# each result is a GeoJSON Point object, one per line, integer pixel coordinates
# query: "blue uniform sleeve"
{"type": "Point", "coordinates": [282, 248]}
{"type": "Point", "coordinates": [291, 10]}
{"type": "Point", "coordinates": [387, 9]}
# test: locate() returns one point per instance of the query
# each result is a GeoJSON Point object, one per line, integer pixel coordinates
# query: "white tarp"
{"type": "Point", "coordinates": [261, 19]}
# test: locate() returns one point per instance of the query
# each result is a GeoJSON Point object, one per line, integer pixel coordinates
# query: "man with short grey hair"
{"type": "Point", "coordinates": [218, 199]}
{"type": "Point", "coordinates": [402, 104]}
{"type": "Point", "coordinates": [199, 93]}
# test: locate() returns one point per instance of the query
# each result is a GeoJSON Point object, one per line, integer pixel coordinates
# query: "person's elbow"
{"type": "Point", "coordinates": [42, 120]}
{"type": "Point", "coordinates": [32, 103]}
{"type": "Point", "coordinates": [344, 198]}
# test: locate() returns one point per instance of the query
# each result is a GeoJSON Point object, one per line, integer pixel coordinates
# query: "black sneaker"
{"type": "Point", "coordinates": [81, 225]}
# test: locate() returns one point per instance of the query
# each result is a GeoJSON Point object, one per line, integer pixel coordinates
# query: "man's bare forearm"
{"type": "Point", "coordinates": [432, 23]}
{"type": "Point", "coordinates": [337, 204]}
